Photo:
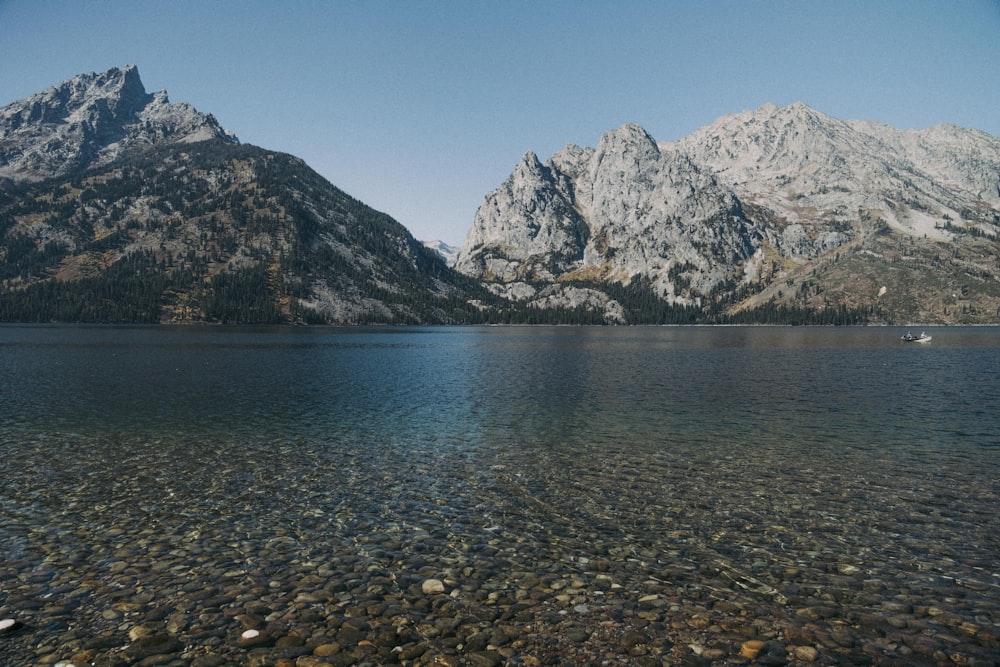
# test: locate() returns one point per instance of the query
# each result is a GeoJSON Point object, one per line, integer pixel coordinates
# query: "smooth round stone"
{"type": "Point", "coordinates": [150, 645]}
{"type": "Point", "coordinates": [85, 657]}
{"type": "Point", "coordinates": [326, 650]}
{"type": "Point", "coordinates": [251, 638]}
{"type": "Point", "coordinates": [176, 623]}
{"type": "Point", "coordinates": [432, 586]}
{"type": "Point", "coordinates": [806, 653]}
{"type": "Point", "coordinates": [750, 649]}
{"type": "Point", "coordinates": [311, 661]}
{"type": "Point", "coordinates": [8, 625]}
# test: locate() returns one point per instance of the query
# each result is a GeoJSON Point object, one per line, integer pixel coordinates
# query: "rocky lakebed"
{"type": "Point", "coordinates": [171, 553]}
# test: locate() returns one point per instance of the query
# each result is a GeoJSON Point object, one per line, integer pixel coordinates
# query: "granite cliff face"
{"type": "Point", "coordinates": [89, 121]}
{"type": "Point", "coordinates": [731, 211]}
{"type": "Point", "coordinates": [806, 168]}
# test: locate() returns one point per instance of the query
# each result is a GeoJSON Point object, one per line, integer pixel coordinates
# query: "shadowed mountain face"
{"type": "Point", "coordinates": [118, 205]}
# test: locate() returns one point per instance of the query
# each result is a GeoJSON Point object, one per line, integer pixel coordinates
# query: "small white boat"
{"type": "Point", "coordinates": [910, 338]}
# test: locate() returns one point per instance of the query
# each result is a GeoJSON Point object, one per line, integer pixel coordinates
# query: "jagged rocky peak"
{"type": "Point", "coordinates": [628, 144]}
{"type": "Point", "coordinates": [530, 214]}
{"type": "Point", "coordinates": [114, 93]}
{"type": "Point", "coordinates": [528, 168]}
{"type": "Point", "coordinates": [571, 157]}
{"type": "Point", "coordinates": [768, 114]}
{"type": "Point", "coordinates": [950, 153]}
{"type": "Point", "coordinates": [120, 89]}
{"type": "Point", "coordinates": [90, 120]}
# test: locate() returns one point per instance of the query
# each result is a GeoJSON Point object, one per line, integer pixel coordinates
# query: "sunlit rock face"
{"type": "Point", "coordinates": [89, 121]}
{"type": "Point", "coordinates": [704, 213]}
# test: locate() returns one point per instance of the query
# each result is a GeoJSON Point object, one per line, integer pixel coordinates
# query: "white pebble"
{"type": "Point", "coordinates": [249, 634]}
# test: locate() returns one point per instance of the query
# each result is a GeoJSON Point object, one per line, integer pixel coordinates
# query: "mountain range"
{"type": "Point", "coordinates": [117, 205]}
{"type": "Point", "coordinates": [781, 205]}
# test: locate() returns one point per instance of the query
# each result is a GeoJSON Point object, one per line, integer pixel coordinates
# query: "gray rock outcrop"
{"type": "Point", "coordinates": [89, 121]}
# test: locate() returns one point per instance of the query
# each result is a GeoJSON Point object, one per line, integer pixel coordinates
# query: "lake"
{"type": "Point", "coordinates": [499, 495]}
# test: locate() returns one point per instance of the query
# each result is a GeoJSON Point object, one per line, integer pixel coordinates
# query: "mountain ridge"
{"type": "Point", "coordinates": [119, 205]}
{"type": "Point", "coordinates": [716, 218]}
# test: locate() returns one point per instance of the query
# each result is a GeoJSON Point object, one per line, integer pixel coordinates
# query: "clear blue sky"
{"type": "Point", "coordinates": [421, 108]}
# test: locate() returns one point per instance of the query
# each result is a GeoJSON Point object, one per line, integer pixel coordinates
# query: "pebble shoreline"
{"type": "Point", "coordinates": [170, 553]}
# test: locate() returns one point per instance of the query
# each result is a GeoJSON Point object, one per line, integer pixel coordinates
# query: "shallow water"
{"type": "Point", "coordinates": [646, 495]}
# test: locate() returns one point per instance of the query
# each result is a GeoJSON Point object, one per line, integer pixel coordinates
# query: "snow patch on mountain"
{"type": "Point", "coordinates": [448, 253]}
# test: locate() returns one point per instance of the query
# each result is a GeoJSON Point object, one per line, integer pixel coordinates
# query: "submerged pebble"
{"type": "Point", "coordinates": [295, 554]}
{"type": "Point", "coordinates": [432, 586]}
{"type": "Point", "coordinates": [10, 625]}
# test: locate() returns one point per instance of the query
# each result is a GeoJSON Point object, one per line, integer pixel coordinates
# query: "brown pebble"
{"type": "Point", "coordinates": [699, 621]}
{"type": "Point", "coordinates": [84, 657]}
{"type": "Point", "coordinates": [311, 661]}
{"type": "Point", "coordinates": [212, 660]}
{"type": "Point", "coordinates": [750, 649]}
{"type": "Point", "coordinates": [806, 653]}
{"type": "Point", "coordinates": [290, 641]}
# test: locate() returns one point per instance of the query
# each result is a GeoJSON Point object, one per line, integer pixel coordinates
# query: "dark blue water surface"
{"type": "Point", "coordinates": [728, 389]}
